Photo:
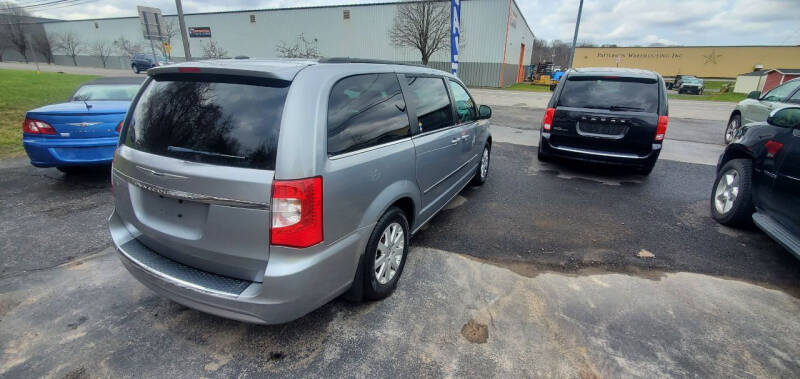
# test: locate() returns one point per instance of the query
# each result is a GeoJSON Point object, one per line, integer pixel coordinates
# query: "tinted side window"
{"type": "Point", "coordinates": [465, 107]}
{"type": "Point", "coordinates": [780, 92]}
{"type": "Point", "coordinates": [432, 103]}
{"type": "Point", "coordinates": [364, 111]}
{"type": "Point", "coordinates": [795, 99]}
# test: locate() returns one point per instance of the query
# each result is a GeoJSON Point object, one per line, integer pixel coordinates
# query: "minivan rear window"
{"type": "Point", "coordinates": [614, 93]}
{"type": "Point", "coordinates": [215, 119]}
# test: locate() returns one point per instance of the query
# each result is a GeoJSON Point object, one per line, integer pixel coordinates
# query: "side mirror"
{"type": "Point", "coordinates": [484, 112]}
{"type": "Point", "coordinates": [785, 117]}
{"type": "Point", "coordinates": [754, 95]}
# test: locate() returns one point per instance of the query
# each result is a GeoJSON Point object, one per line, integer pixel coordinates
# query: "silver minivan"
{"type": "Point", "coordinates": [259, 190]}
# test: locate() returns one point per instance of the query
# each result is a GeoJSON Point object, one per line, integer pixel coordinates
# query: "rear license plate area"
{"type": "Point", "coordinates": [168, 215]}
{"type": "Point", "coordinates": [591, 129]}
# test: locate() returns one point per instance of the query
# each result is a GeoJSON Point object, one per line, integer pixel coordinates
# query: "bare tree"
{"type": "Point", "coordinates": [13, 27]}
{"type": "Point", "coordinates": [423, 25]}
{"type": "Point", "coordinates": [5, 43]}
{"type": "Point", "coordinates": [555, 51]}
{"type": "Point", "coordinates": [43, 44]}
{"type": "Point", "coordinates": [213, 50]}
{"type": "Point", "coordinates": [170, 32]}
{"type": "Point", "coordinates": [102, 50]}
{"type": "Point", "coordinates": [126, 47]}
{"type": "Point", "coordinates": [70, 44]}
{"type": "Point", "coordinates": [302, 48]}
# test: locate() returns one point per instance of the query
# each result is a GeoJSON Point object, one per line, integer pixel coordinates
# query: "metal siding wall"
{"type": "Point", "coordinates": [365, 35]}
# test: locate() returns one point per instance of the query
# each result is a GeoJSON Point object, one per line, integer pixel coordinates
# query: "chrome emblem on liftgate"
{"type": "Point", "coordinates": [83, 124]}
{"type": "Point", "coordinates": [161, 174]}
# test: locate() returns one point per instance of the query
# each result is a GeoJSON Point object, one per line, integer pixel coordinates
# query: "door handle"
{"type": "Point", "coordinates": [455, 140]}
{"type": "Point", "coordinates": [465, 137]}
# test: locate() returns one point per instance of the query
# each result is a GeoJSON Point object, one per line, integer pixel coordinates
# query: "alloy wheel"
{"type": "Point", "coordinates": [727, 191]}
{"type": "Point", "coordinates": [485, 163]}
{"type": "Point", "coordinates": [389, 253]}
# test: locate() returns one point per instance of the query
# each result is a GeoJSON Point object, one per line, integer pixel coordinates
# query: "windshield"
{"type": "Point", "coordinates": [215, 119]}
{"type": "Point", "coordinates": [692, 81]}
{"type": "Point", "coordinates": [120, 92]}
{"type": "Point", "coordinates": [615, 93]}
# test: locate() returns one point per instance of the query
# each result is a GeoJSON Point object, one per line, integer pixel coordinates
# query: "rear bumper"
{"type": "Point", "coordinates": [295, 282]}
{"type": "Point", "coordinates": [49, 152]}
{"type": "Point", "coordinates": [598, 156]}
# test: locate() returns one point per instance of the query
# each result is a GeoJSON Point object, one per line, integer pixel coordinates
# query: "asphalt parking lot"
{"type": "Point", "coordinates": [547, 270]}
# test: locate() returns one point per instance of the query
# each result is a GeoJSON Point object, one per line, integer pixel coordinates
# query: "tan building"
{"type": "Point", "coordinates": [702, 61]}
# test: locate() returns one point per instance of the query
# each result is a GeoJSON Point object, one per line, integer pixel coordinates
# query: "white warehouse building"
{"type": "Point", "coordinates": [495, 47]}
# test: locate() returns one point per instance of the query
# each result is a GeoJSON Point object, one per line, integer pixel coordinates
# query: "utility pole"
{"type": "Point", "coordinates": [575, 37]}
{"type": "Point", "coordinates": [185, 37]}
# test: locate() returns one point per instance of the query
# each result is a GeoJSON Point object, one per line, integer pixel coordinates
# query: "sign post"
{"type": "Point", "coordinates": [152, 26]}
{"type": "Point", "coordinates": [455, 33]}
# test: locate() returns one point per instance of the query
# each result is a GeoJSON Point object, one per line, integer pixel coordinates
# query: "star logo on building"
{"type": "Point", "coordinates": [712, 58]}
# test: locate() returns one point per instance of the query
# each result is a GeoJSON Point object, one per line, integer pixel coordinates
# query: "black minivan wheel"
{"type": "Point", "coordinates": [386, 254]}
{"type": "Point", "coordinates": [732, 193]}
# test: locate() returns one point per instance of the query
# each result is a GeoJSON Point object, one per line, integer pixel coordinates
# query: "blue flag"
{"type": "Point", "coordinates": [455, 32]}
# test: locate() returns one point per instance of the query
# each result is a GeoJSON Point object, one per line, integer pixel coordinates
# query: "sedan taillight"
{"type": "Point", "coordinates": [296, 212]}
{"type": "Point", "coordinates": [31, 126]}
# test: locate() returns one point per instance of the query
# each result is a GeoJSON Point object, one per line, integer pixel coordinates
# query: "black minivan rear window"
{"type": "Point", "coordinates": [610, 92]}
{"type": "Point", "coordinates": [215, 119]}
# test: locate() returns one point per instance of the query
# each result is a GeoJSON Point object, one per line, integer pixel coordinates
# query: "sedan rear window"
{"type": "Point", "coordinates": [214, 119]}
{"type": "Point", "coordinates": [106, 92]}
{"type": "Point", "coordinates": [614, 93]}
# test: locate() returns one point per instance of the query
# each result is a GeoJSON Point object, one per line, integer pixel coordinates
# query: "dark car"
{"type": "Point", "coordinates": [758, 178]}
{"type": "Point", "coordinates": [607, 115]}
{"type": "Point", "coordinates": [143, 62]}
{"type": "Point", "coordinates": [678, 80]}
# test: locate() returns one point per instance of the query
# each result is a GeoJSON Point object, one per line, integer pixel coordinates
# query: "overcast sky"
{"type": "Point", "coordinates": [623, 22]}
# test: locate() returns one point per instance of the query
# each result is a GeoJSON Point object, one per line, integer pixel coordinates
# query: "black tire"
{"type": "Point", "coordinates": [71, 170]}
{"type": "Point", "coordinates": [734, 123]}
{"type": "Point", "coordinates": [645, 170]}
{"type": "Point", "coordinates": [373, 289]}
{"type": "Point", "coordinates": [542, 156]}
{"type": "Point", "coordinates": [741, 211]}
{"type": "Point", "coordinates": [135, 68]}
{"type": "Point", "coordinates": [480, 177]}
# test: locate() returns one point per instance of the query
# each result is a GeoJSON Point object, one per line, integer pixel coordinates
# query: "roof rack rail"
{"type": "Point", "coordinates": [363, 60]}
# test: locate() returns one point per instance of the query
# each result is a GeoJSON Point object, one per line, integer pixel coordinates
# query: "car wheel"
{"type": "Point", "coordinates": [732, 193]}
{"type": "Point", "coordinates": [542, 156]}
{"type": "Point", "coordinates": [135, 69]}
{"type": "Point", "coordinates": [386, 254]}
{"type": "Point", "coordinates": [645, 170]}
{"type": "Point", "coordinates": [71, 170]}
{"type": "Point", "coordinates": [482, 171]}
{"type": "Point", "coordinates": [700, 92]}
{"type": "Point", "coordinates": [733, 126]}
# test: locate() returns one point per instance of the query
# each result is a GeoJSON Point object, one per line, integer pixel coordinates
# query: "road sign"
{"type": "Point", "coordinates": [152, 23]}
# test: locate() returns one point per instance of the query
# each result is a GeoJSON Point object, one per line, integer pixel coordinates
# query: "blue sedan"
{"type": "Point", "coordinates": [83, 131]}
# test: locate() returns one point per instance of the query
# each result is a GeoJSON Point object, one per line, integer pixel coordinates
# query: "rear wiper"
{"type": "Point", "coordinates": [176, 149]}
{"type": "Point", "coordinates": [624, 108]}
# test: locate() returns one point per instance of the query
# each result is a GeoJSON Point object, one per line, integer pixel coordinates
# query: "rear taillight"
{"type": "Point", "coordinates": [31, 126]}
{"type": "Point", "coordinates": [119, 126]}
{"type": "Point", "coordinates": [296, 212]}
{"type": "Point", "coordinates": [661, 131]}
{"type": "Point", "coordinates": [547, 122]}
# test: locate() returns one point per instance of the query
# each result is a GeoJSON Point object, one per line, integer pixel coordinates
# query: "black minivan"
{"type": "Point", "coordinates": [607, 115]}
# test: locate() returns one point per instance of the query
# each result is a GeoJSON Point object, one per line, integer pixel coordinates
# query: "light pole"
{"type": "Point", "coordinates": [575, 37]}
{"type": "Point", "coordinates": [185, 38]}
